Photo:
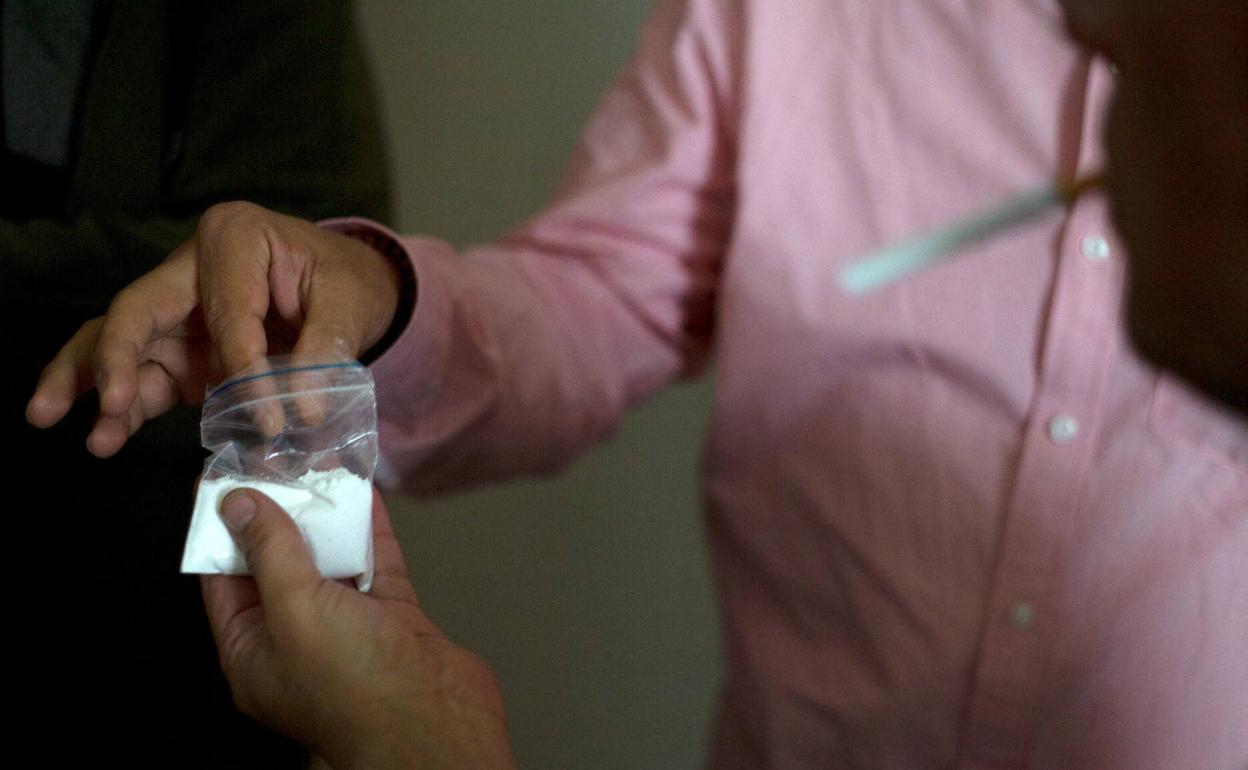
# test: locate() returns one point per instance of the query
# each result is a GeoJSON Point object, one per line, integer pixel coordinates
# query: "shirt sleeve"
{"type": "Point", "coordinates": [521, 353]}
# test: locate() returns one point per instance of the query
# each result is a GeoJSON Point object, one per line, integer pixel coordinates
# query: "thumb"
{"type": "Point", "coordinates": [275, 552]}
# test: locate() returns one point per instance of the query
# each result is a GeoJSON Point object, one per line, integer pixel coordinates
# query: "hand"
{"type": "Point", "coordinates": [249, 283]}
{"type": "Point", "coordinates": [1177, 141]}
{"type": "Point", "coordinates": [365, 680]}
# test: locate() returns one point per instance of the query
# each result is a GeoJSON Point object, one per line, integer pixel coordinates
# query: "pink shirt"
{"type": "Point", "coordinates": [955, 523]}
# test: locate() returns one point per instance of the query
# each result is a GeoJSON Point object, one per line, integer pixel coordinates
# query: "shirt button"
{"type": "Point", "coordinates": [1095, 248]}
{"type": "Point", "coordinates": [1022, 615]}
{"type": "Point", "coordinates": [1063, 428]}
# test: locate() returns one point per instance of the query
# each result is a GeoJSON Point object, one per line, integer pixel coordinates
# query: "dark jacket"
{"type": "Point", "coordinates": [179, 105]}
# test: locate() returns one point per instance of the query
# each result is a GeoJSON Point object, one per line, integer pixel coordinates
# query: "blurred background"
{"type": "Point", "coordinates": [589, 593]}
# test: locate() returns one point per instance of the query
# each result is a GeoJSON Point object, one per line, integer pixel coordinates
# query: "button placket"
{"type": "Point", "coordinates": [1020, 631]}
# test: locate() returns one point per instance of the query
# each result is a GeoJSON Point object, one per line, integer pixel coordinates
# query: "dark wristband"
{"type": "Point", "coordinates": [393, 251]}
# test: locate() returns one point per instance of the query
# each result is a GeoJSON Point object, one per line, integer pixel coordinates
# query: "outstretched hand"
{"type": "Point", "coordinates": [249, 283]}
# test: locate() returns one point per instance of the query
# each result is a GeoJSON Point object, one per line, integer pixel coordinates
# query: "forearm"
{"type": "Point", "coordinates": [529, 358]}
{"type": "Point", "coordinates": [450, 737]}
{"type": "Point", "coordinates": [522, 353]}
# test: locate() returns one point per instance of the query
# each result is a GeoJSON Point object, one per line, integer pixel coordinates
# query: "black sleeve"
{"type": "Point", "coordinates": [269, 102]}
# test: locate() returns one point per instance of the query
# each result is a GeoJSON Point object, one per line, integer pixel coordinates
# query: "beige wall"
{"type": "Point", "coordinates": [588, 593]}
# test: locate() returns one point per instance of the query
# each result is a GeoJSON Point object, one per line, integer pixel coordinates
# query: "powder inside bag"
{"type": "Point", "coordinates": [336, 523]}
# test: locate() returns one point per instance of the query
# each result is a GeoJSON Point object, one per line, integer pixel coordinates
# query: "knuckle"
{"type": "Point", "coordinates": [227, 214]}
{"type": "Point", "coordinates": [217, 314]}
{"type": "Point", "coordinates": [128, 300]}
{"type": "Point", "coordinates": [80, 346]}
{"type": "Point", "coordinates": [222, 318]}
{"type": "Point", "coordinates": [233, 647]}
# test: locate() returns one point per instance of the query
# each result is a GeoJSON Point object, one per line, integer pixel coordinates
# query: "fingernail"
{"type": "Point", "coordinates": [238, 509]}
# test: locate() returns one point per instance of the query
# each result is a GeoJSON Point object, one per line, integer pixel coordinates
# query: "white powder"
{"type": "Point", "coordinates": [332, 508]}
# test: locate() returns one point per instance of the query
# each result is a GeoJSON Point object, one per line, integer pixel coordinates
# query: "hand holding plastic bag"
{"type": "Point", "coordinates": [304, 434]}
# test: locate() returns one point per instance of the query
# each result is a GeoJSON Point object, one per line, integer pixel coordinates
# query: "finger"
{"type": "Point", "coordinates": [157, 394]}
{"type": "Point", "coordinates": [227, 598]}
{"type": "Point", "coordinates": [389, 571]}
{"type": "Point", "coordinates": [141, 313]}
{"type": "Point", "coordinates": [108, 435]}
{"type": "Point", "coordinates": [276, 554]}
{"type": "Point", "coordinates": [332, 331]}
{"type": "Point", "coordinates": [184, 358]}
{"type": "Point", "coordinates": [235, 258]}
{"type": "Point", "coordinates": [234, 249]}
{"type": "Point", "coordinates": [255, 390]}
{"type": "Point", "coordinates": [310, 388]}
{"type": "Point", "coordinates": [65, 378]}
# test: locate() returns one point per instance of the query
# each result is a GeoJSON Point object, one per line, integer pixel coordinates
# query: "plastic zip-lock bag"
{"type": "Point", "coordinates": [304, 434]}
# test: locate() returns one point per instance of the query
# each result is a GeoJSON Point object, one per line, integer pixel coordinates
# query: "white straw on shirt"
{"type": "Point", "coordinates": [896, 262]}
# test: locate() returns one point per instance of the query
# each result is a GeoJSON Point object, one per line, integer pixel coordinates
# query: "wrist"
{"type": "Point", "coordinates": [442, 734]}
{"type": "Point", "coordinates": [397, 297]}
